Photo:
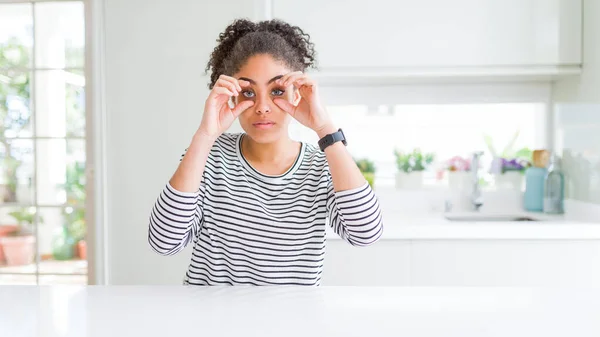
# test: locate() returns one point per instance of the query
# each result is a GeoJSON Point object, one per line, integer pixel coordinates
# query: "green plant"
{"type": "Point", "coordinates": [74, 187]}
{"type": "Point", "coordinates": [25, 218]}
{"type": "Point", "coordinates": [365, 165]}
{"type": "Point", "coordinates": [509, 152]}
{"type": "Point", "coordinates": [413, 161]}
{"type": "Point", "coordinates": [14, 110]}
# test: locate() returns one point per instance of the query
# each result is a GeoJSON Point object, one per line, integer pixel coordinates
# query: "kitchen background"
{"type": "Point", "coordinates": [99, 98]}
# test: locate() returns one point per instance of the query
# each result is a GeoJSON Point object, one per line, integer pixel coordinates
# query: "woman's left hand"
{"type": "Point", "coordinates": [309, 111]}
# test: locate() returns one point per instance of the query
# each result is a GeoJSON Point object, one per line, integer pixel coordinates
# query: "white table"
{"type": "Point", "coordinates": [293, 311]}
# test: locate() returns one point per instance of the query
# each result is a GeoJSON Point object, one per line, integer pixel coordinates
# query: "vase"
{"type": "Point", "coordinates": [458, 180]}
{"type": "Point", "coordinates": [509, 180]}
{"type": "Point", "coordinates": [63, 245]}
{"type": "Point", "coordinates": [412, 180]}
{"type": "Point", "coordinates": [18, 250]}
{"type": "Point", "coordinates": [4, 231]}
{"type": "Point", "coordinates": [82, 250]}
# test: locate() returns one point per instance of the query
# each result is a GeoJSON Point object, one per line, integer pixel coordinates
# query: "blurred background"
{"type": "Point", "coordinates": [99, 98]}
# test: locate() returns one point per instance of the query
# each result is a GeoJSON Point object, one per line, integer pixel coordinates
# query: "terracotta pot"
{"type": "Point", "coordinates": [82, 250]}
{"type": "Point", "coordinates": [4, 231]}
{"type": "Point", "coordinates": [18, 250]}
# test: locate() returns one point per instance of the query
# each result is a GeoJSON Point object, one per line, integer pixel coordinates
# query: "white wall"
{"type": "Point", "coordinates": [585, 89]}
{"type": "Point", "coordinates": [154, 59]}
{"type": "Point", "coordinates": [155, 90]}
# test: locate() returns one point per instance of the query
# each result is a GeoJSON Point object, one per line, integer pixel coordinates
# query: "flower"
{"type": "Point", "coordinates": [458, 163]}
{"type": "Point", "coordinates": [514, 164]}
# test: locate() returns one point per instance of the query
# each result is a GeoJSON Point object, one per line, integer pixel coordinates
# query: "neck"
{"type": "Point", "coordinates": [273, 152]}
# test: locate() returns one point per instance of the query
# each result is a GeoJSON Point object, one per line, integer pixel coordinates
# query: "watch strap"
{"type": "Point", "coordinates": [331, 139]}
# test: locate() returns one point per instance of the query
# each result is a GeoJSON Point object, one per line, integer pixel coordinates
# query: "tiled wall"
{"type": "Point", "coordinates": [577, 141]}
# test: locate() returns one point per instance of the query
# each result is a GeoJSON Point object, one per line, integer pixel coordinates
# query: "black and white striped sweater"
{"type": "Point", "coordinates": [249, 228]}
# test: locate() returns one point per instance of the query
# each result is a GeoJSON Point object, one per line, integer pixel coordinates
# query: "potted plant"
{"type": "Point", "coordinates": [508, 166]}
{"type": "Point", "coordinates": [410, 167]}
{"type": "Point", "coordinates": [367, 168]}
{"type": "Point", "coordinates": [458, 169]}
{"type": "Point", "coordinates": [19, 245]}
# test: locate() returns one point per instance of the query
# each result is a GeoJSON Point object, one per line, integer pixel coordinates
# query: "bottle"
{"type": "Point", "coordinates": [535, 178]}
{"type": "Point", "coordinates": [554, 187]}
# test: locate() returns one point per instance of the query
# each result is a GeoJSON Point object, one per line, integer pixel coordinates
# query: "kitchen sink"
{"type": "Point", "coordinates": [472, 217]}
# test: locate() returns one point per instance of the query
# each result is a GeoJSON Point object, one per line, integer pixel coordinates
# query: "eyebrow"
{"type": "Point", "coordinates": [254, 82]}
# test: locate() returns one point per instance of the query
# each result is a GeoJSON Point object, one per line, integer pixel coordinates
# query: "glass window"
{"type": "Point", "coordinates": [42, 143]}
{"type": "Point", "coordinates": [443, 130]}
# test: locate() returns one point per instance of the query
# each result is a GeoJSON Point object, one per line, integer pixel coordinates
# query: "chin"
{"type": "Point", "coordinates": [263, 136]}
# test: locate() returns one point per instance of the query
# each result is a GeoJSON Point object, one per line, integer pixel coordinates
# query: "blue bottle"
{"type": "Point", "coordinates": [533, 198]}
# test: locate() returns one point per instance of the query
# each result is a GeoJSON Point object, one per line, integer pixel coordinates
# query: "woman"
{"type": "Point", "coordinates": [255, 204]}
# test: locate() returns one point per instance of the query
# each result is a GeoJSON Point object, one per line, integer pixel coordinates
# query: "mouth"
{"type": "Point", "coordinates": [263, 125]}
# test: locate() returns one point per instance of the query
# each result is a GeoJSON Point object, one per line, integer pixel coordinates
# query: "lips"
{"type": "Point", "coordinates": [264, 123]}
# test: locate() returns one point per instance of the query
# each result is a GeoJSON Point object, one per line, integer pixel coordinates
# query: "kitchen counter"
{"type": "Point", "coordinates": [297, 311]}
{"type": "Point", "coordinates": [399, 226]}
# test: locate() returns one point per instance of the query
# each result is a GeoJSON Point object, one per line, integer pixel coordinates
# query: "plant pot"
{"type": "Point", "coordinates": [509, 180]}
{"type": "Point", "coordinates": [412, 180]}
{"type": "Point", "coordinates": [4, 231]}
{"type": "Point", "coordinates": [458, 180]}
{"type": "Point", "coordinates": [370, 178]}
{"type": "Point", "coordinates": [82, 250]}
{"type": "Point", "coordinates": [18, 250]}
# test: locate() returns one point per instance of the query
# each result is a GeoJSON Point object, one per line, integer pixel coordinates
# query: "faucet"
{"type": "Point", "coordinates": [476, 197]}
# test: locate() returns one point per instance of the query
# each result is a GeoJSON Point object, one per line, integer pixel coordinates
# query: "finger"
{"type": "Point", "coordinates": [285, 105]}
{"type": "Point", "coordinates": [287, 76]}
{"type": "Point", "coordinates": [232, 80]}
{"type": "Point", "coordinates": [243, 106]}
{"type": "Point", "coordinates": [305, 80]}
{"type": "Point", "coordinates": [222, 91]}
{"type": "Point", "coordinates": [229, 85]}
{"type": "Point", "coordinates": [243, 83]}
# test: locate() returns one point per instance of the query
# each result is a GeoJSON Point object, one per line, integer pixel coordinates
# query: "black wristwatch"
{"type": "Point", "coordinates": [332, 138]}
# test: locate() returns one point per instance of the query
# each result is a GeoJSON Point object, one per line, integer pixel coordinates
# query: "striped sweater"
{"type": "Point", "coordinates": [248, 228]}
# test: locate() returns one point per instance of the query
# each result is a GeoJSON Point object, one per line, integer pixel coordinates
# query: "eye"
{"type": "Point", "coordinates": [248, 93]}
{"type": "Point", "coordinates": [278, 92]}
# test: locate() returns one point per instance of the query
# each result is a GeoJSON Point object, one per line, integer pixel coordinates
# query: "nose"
{"type": "Point", "coordinates": [263, 106]}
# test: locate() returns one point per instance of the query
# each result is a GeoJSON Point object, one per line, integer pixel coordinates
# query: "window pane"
{"type": "Point", "coordinates": [17, 279]}
{"type": "Point", "coordinates": [16, 35]}
{"type": "Point", "coordinates": [16, 171]}
{"type": "Point", "coordinates": [61, 172]}
{"type": "Point", "coordinates": [446, 130]}
{"type": "Point", "coordinates": [59, 34]}
{"type": "Point", "coordinates": [60, 103]}
{"type": "Point", "coordinates": [15, 104]}
{"type": "Point", "coordinates": [63, 279]}
{"type": "Point", "coordinates": [59, 240]}
{"type": "Point", "coordinates": [17, 240]}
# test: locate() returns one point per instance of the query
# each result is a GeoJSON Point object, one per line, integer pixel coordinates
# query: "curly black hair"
{"type": "Point", "coordinates": [244, 38]}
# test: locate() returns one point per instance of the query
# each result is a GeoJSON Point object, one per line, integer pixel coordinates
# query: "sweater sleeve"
{"type": "Point", "coordinates": [355, 215]}
{"type": "Point", "coordinates": [175, 220]}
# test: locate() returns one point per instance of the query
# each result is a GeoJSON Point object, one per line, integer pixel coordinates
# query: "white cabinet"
{"type": "Point", "coordinates": [505, 263]}
{"type": "Point", "coordinates": [425, 34]}
{"type": "Point", "coordinates": [464, 263]}
{"type": "Point", "coordinates": [383, 264]}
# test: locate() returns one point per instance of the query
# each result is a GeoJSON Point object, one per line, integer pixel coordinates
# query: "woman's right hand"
{"type": "Point", "coordinates": [218, 116]}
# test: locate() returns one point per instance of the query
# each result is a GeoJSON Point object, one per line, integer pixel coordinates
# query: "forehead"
{"type": "Point", "coordinates": [261, 68]}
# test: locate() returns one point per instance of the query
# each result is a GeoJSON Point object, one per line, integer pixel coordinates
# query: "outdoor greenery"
{"type": "Point", "coordinates": [413, 161]}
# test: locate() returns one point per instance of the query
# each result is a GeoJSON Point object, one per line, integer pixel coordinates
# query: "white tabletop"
{"type": "Point", "coordinates": [293, 311]}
